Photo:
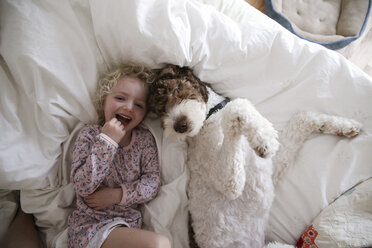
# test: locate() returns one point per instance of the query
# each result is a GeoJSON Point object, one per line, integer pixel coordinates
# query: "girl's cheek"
{"type": "Point", "coordinates": [115, 105]}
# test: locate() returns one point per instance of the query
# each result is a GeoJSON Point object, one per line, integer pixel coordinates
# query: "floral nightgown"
{"type": "Point", "coordinates": [97, 161]}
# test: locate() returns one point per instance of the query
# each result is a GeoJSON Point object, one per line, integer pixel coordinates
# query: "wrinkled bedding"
{"type": "Point", "coordinates": [53, 52]}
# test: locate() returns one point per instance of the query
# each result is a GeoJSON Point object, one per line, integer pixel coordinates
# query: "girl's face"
{"type": "Point", "coordinates": [127, 102]}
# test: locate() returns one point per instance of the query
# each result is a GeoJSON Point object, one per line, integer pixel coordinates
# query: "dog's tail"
{"type": "Point", "coordinates": [299, 129]}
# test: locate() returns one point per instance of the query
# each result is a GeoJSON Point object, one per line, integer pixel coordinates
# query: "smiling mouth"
{"type": "Point", "coordinates": [123, 119]}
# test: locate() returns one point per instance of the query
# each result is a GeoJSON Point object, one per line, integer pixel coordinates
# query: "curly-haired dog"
{"type": "Point", "coordinates": [230, 190]}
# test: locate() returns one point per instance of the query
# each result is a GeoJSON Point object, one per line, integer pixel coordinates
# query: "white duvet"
{"type": "Point", "coordinates": [52, 53]}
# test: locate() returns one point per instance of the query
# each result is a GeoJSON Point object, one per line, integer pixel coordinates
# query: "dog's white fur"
{"type": "Point", "coordinates": [230, 188]}
{"type": "Point", "coordinates": [185, 108]}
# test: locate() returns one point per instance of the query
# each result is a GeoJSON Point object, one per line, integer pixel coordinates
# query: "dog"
{"type": "Point", "coordinates": [234, 157]}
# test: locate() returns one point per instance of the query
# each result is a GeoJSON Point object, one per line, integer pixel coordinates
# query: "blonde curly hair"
{"type": "Point", "coordinates": [109, 80]}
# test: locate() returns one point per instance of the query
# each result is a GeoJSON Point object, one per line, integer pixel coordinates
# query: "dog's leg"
{"type": "Point", "coordinates": [240, 117]}
{"type": "Point", "coordinates": [300, 127]}
{"type": "Point", "coordinates": [229, 176]}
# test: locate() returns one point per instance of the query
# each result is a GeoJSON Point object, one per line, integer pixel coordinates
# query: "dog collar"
{"type": "Point", "coordinates": [218, 107]}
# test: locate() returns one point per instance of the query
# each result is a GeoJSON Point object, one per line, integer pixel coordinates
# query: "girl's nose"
{"type": "Point", "coordinates": [129, 105]}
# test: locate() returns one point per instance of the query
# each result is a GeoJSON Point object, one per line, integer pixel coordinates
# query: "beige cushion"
{"type": "Point", "coordinates": [323, 20]}
{"type": "Point", "coordinates": [352, 17]}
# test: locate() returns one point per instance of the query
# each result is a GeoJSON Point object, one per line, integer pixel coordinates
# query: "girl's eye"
{"type": "Point", "coordinates": [140, 106]}
{"type": "Point", "coordinates": [120, 98]}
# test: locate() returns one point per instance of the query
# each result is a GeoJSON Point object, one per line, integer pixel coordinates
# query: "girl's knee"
{"type": "Point", "coordinates": [161, 241]}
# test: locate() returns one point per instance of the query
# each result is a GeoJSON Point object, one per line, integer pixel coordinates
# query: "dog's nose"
{"type": "Point", "coordinates": [181, 124]}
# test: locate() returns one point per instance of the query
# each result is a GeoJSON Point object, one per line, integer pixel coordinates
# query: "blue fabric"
{"type": "Point", "coordinates": [335, 45]}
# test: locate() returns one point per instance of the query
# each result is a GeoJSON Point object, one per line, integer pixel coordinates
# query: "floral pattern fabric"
{"type": "Point", "coordinates": [307, 240]}
{"type": "Point", "coordinates": [97, 162]}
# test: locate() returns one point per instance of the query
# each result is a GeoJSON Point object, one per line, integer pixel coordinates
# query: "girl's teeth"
{"type": "Point", "coordinates": [123, 119]}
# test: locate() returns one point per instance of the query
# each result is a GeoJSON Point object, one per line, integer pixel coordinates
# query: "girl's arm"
{"type": "Point", "coordinates": [147, 187]}
{"type": "Point", "coordinates": [91, 159]}
{"type": "Point", "coordinates": [104, 197]}
{"type": "Point", "coordinates": [140, 191]}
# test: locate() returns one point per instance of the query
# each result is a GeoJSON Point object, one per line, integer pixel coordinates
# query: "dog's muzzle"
{"type": "Point", "coordinates": [181, 125]}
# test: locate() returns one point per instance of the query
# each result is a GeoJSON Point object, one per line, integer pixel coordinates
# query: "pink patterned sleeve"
{"type": "Point", "coordinates": [148, 186]}
{"type": "Point", "coordinates": [91, 158]}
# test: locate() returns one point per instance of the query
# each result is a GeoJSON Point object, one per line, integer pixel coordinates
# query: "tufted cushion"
{"type": "Point", "coordinates": [352, 17]}
{"type": "Point", "coordinates": [332, 23]}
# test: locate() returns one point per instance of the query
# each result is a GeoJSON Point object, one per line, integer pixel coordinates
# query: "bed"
{"type": "Point", "coordinates": [52, 54]}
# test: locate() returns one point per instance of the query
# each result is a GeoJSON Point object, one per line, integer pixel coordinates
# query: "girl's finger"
{"type": "Point", "coordinates": [90, 202]}
{"type": "Point", "coordinates": [93, 205]}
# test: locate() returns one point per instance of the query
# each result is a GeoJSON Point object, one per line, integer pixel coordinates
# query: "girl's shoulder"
{"type": "Point", "coordinates": [144, 135]}
{"type": "Point", "coordinates": [90, 130]}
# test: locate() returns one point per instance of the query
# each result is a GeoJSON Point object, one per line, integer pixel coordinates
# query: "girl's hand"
{"type": "Point", "coordinates": [114, 129]}
{"type": "Point", "coordinates": [104, 197]}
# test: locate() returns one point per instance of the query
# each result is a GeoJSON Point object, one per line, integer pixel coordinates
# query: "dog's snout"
{"type": "Point", "coordinates": [181, 125]}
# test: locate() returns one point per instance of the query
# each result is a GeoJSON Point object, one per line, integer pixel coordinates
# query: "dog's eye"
{"type": "Point", "coordinates": [179, 88]}
{"type": "Point", "coordinates": [193, 97]}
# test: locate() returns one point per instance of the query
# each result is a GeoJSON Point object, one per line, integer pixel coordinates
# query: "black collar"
{"type": "Point", "coordinates": [218, 107]}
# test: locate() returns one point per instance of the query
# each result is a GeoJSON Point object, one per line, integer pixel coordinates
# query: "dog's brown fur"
{"type": "Point", "coordinates": [173, 85]}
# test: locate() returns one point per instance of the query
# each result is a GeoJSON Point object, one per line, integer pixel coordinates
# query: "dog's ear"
{"type": "Point", "coordinates": [169, 71]}
{"type": "Point", "coordinates": [196, 83]}
{"type": "Point", "coordinates": [174, 71]}
{"type": "Point", "coordinates": [203, 90]}
{"type": "Point", "coordinates": [158, 98]}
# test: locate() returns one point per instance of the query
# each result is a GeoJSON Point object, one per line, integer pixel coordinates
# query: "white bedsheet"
{"type": "Point", "coordinates": [52, 53]}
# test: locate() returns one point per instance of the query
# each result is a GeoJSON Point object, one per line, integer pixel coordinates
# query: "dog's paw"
{"type": "Point", "coordinates": [262, 151]}
{"type": "Point", "coordinates": [348, 133]}
{"type": "Point", "coordinates": [340, 126]}
{"type": "Point", "coordinates": [264, 140]}
{"type": "Point", "coordinates": [267, 150]}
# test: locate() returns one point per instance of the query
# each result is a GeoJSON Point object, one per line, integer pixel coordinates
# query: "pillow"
{"type": "Point", "coordinates": [347, 222]}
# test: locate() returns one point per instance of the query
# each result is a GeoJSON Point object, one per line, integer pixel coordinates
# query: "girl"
{"type": "Point", "coordinates": [115, 166]}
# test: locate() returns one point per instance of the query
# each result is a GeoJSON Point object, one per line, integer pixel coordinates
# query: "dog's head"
{"type": "Point", "coordinates": [179, 98]}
